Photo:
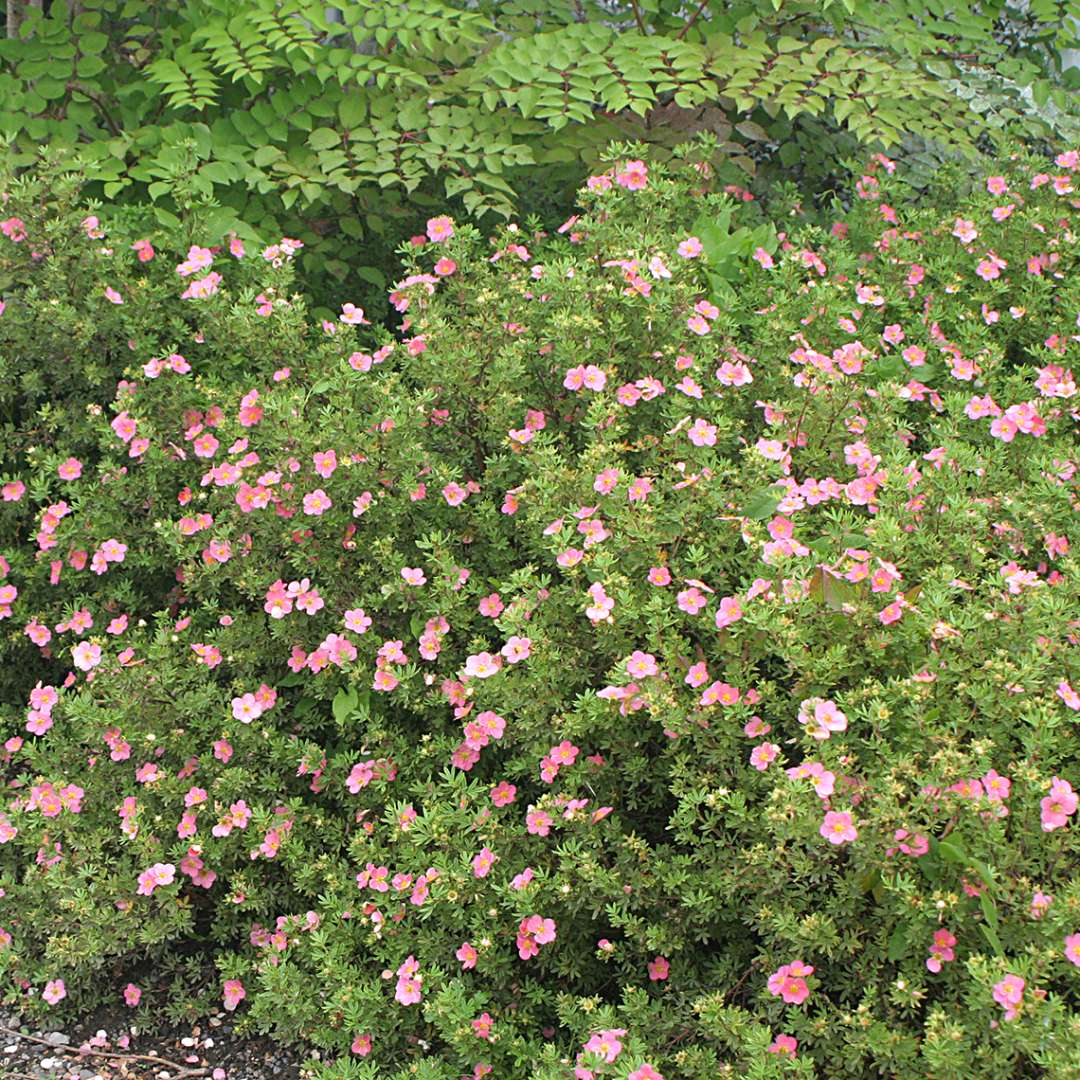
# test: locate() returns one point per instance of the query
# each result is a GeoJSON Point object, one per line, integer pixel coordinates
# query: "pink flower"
{"type": "Point", "coordinates": [86, 656]}
{"type": "Point", "coordinates": [838, 828]}
{"type": "Point", "coordinates": [483, 862]}
{"type": "Point", "coordinates": [54, 991]}
{"type": "Point", "coordinates": [659, 575]}
{"type": "Point", "coordinates": [361, 1045]}
{"type": "Point", "coordinates": [783, 1044]}
{"type": "Point", "coordinates": [516, 649]}
{"type": "Point", "coordinates": [534, 931]}
{"type": "Point", "coordinates": [132, 995]}
{"type": "Point", "coordinates": [641, 665]}
{"type": "Point", "coordinates": [325, 462]}
{"type": "Point", "coordinates": [1059, 805]}
{"type": "Point", "coordinates": [763, 755]}
{"type": "Point", "coordinates": [1009, 993]}
{"type": "Point", "coordinates": [233, 993]}
{"type": "Point", "coordinates": [246, 708]}
{"type": "Point", "coordinates": [440, 228]}
{"type": "Point", "coordinates": [482, 665]}
{"type": "Point", "coordinates": [409, 984]}
{"type": "Point", "coordinates": [468, 956]}
{"type": "Point", "coordinates": [645, 1072]}
{"type": "Point", "coordinates": [70, 469]}
{"type": "Point", "coordinates": [730, 612]}
{"type": "Point", "coordinates": [658, 969]}
{"type": "Point", "coordinates": [1072, 949]}
{"type": "Point", "coordinates": [112, 295]}
{"type": "Point", "coordinates": [633, 176]}
{"type": "Point", "coordinates": [454, 494]}
{"type": "Point", "coordinates": [702, 433]}
{"type": "Point", "coordinates": [316, 502]}
{"type": "Point", "coordinates": [413, 575]}
{"type": "Point", "coordinates": [352, 314]}
{"type": "Point", "coordinates": [789, 982]}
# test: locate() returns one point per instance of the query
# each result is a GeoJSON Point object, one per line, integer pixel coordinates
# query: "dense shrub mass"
{"type": "Point", "coordinates": [658, 659]}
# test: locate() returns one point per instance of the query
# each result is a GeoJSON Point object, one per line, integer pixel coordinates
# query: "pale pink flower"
{"type": "Point", "coordinates": [838, 827]}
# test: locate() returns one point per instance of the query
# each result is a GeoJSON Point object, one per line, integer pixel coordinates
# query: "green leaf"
{"type": "Point", "coordinates": [762, 504]}
{"type": "Point", "coordinates": [951, 852]}
{"type": "Point", "coordinates": [93, 42]}
{"type": "Point", "coordinates": [323, 138]}
{"type": "Point", "coordinates": [898, 943]}
{"type": "Point", "coordinates": [345, 702]}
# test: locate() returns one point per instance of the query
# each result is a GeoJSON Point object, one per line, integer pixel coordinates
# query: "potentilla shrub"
{"type": "Point", "coordinates": [657, 660]}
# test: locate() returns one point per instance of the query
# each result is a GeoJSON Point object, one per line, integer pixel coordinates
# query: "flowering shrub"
{"type": "Point", "coordinates": [656, 660]}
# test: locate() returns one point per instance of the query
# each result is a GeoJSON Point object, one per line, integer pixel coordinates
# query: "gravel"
{"type": "Point", "coordinates": [209, 1049]}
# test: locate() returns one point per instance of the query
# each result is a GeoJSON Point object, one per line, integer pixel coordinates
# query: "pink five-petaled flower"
{"type": "Point", "coordinates": [482, 665]}
{"type": "Point", "coordinates": [86, 656]}
{"type": "Point", "coordinates": [534, 931]}
{"type": "Point", "coordinates": [361, 1045]}
{"type": "Point", "coordinates": [483, 862]}
{"type": "Point", "coordinates": [1059, 805]}
{"type": "Point", "coordinates": [605, 1044]}
{"type": "Point", "coordinates": [54, 991]}
{"type": "Point", "coordinates": [1009, 993]}
{"type": "Point", "coordinates": [1072, 949]}
{"type": "Point", "coordinates": [838, 828]}
{"type": "Point", "coordinates": [132, 995]}
{"type": "Point", "coordinates": [645, 1072]}
{"type": "Point", "coordinates": [468, 956]}
{"type": "Point", "coordinates": [641, 664]}
{"type": "Point", "coordinates": [763, 755]}
{"type": "Point", "coordinates": [633, 176]}
{"type": "Point", "coordinates": [158, 874]}
{"type": "Point", "coordinates": [658, 969]}
{"type": "Point", "coordinates": [783, 1044]}
{"type": "Point", "coordinates": [317, 502]}
{"type": "Point", "coordinates": [516, 649]}
{"type": "Point", "coordinates": [440, 228]}
{"type": "Point", "coordinates": [410, 983]}
{"type": "Point", "coordinates": [821, 718]}
{"type": "Point", "coordinates": [702, 433]}
{"type": "Point", "coordinates": [233, 993]}
{"type": "Point", "coordinates": [503, 794]}
{"type": "Point", "coordinates": [789, 982]}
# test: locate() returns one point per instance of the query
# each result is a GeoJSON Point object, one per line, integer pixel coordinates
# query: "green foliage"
{"type": "Point", "coordinates": [341, 126]}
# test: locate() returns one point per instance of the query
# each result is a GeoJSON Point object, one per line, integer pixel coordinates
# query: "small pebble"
{"type": "Point", "coordinates": [187, 1040]}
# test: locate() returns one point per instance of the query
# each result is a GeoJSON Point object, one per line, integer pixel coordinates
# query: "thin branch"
{"type": "Point", "coordinates": [183, 1072]}
{"type": "Point", "coordinates": [106, 115]}
{"type": "Point", "coordinates": [637, 17]}
{"type": "Point", "coordinates": [693, 19]}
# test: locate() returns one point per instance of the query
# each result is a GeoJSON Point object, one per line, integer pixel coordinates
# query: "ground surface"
{"type": "Point", "coordinates": [207, 1049]}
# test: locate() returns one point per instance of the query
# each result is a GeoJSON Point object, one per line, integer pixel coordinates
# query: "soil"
{"type": "Point", "coordinates": [209, 1049]}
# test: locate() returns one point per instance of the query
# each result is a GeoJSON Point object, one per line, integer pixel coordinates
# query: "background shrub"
{"type": "Point", "coordinates": [703, 589]}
